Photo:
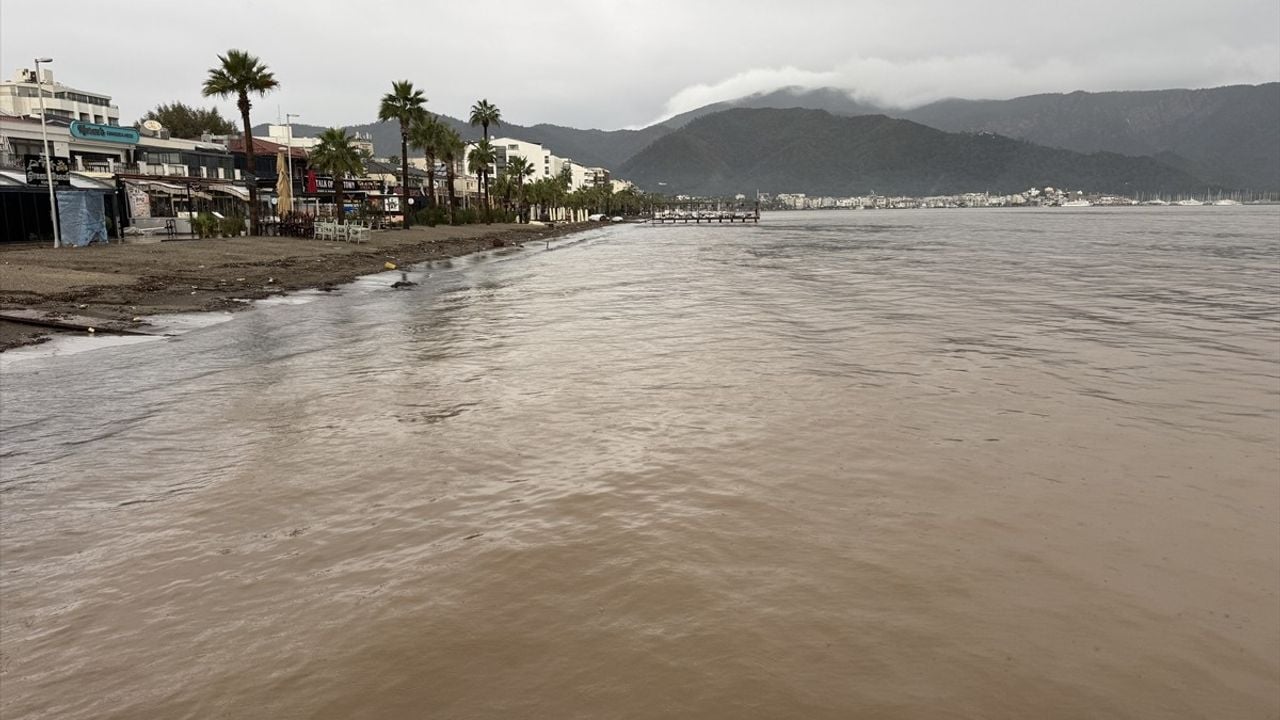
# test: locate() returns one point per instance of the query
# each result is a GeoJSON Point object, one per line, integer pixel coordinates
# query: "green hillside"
{"type": "Point", "coordinates": [811, 151]}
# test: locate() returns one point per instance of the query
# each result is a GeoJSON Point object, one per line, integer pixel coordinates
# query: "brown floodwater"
{"type": "Point", "coordinates": [915, 464]}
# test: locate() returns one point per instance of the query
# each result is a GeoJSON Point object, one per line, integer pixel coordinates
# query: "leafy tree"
{"type": "Point", "coordinates": [336, 155]}
{"type": "Point", "coordinates": [238, 74]}
{"type": "Point", "coordinates": [425, 135]}
{"type": "Point", "coordinates": [404, 104]}
{"type": "Point", "coordinates": [185, 121]}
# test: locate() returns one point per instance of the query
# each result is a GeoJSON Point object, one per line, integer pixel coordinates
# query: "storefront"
{"type": "Point", "coordinates": [318, 192]}
{"type": "Point", "coordinates": [87, 209]}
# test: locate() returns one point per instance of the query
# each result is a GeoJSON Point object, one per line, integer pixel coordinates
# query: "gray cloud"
{"type": "Point", "coordinates": [611, 63]}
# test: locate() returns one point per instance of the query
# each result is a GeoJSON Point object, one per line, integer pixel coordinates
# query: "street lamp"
{"type": "Point", "coordinates": [48, 159]}
{"type": "Point", "coordinates": [288, 122]}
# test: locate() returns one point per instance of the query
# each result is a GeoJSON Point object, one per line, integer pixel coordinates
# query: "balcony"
{"type": "Point", "coordinates": [175, 170]}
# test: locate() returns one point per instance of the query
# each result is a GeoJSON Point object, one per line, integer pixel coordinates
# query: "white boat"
{"type": "Point", "coordinates": [1226, 201]}
{"type": "Point", "coordinates": [1077, 203]}
{"type": "Point", "coordinates": [1189, 203]}
{"type": "Point", "coordinates": [1156, 201]}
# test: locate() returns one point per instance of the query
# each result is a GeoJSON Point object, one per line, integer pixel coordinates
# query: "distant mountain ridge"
{"type": "Point", "coordinates": [743, 150]}
{"type": "Point", "coordinates": [592, 148]}
{"type": "Point", "coordinates": [1226, 136]}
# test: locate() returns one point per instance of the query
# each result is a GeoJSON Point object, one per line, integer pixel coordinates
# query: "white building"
{"type": "Point", "coordinates": [581, 176]}
{"type": "Point", "coordinates": [283, 135]}
{"type": "Point", "coordinates": [21, 97]}
{"type": "Point", "coordinates": [539, 157]}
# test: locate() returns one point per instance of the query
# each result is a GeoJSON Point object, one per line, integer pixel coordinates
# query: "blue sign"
{"type": "Point", "coordinates": [104, 133]}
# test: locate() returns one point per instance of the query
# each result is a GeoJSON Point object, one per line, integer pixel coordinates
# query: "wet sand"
{"type": "Point", "coordinates": [120, 282]}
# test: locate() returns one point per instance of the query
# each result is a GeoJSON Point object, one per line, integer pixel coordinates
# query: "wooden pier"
{"type": "Point", "coordinates": [705, 212]}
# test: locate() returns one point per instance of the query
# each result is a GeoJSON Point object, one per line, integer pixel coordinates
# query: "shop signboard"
{"type": "Point", "coordinates": [37, 175]}
{"type": "Point", "coordinates": [323, 184]}
{"type": "Point", "coordinates": [104, 133]}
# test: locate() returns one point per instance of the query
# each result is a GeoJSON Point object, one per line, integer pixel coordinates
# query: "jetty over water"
{"type": "Point", "coordinates": [706, 212]}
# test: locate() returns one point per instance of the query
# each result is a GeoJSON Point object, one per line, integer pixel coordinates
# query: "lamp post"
{"type": "Point", "coordinates": [288, 122]}
{"type": "Point", "coordinates": [48, 159]}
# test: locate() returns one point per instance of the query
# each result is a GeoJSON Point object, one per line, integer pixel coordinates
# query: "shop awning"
{"type": "Point", "coordinates": [173, 189]}
{"type": "Point", "coordinates": [236, 190]}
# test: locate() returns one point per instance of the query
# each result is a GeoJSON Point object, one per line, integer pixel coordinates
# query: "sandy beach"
{"type": "Point", "coordinates": [118, 284]}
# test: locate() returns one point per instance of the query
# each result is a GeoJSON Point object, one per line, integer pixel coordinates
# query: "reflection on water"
{"type": "Point", "coordinates": [907, 464]}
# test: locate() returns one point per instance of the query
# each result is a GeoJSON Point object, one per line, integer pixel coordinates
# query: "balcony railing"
{"type": "Point", "coordinates": [176, 170]}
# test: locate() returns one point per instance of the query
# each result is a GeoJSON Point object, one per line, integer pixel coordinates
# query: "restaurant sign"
{"type": "Point", "coordinates": [324, 184]}
{"type": "Point", "coordinates": [37, 175]}
{"type": "Point", "coordinates": [104, 133]}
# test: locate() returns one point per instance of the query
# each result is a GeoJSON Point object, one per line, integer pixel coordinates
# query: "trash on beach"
{"type": "Point", "coordinates": [91, 330]}
{"type": "Point", "coordinates": [270, 280]}
{"type": "Point", "coordinates": [389, 265]}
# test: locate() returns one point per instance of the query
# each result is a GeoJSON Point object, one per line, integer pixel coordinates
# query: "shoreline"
{"type": "Point", "coordinates": [115, 286]}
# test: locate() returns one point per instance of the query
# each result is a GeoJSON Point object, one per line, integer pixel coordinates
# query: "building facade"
{"type": "Point", "coordinates": [21, 97]}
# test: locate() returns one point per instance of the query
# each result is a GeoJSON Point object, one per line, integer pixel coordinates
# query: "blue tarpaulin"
{"type": "Point", "coordinates": [82, 217]}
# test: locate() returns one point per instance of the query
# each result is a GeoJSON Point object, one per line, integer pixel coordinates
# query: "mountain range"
{"type": "Point", "coordinates": [742, 150]}
{"type": "Point", "coordinates": [1227, 137]}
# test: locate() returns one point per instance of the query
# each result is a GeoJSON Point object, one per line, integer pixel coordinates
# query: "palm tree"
{"type": "Point", "coordinates": [337, 156]}
{"type": "Point", "coordinates": [519, 169]}
{"type": "Point", "coordinates": [425, 135]}
{"type": "Point", "coordinates": [481, 157]}
{"type": "Point", "coordinates": [404, 105]}
{"type": "Point", "coordinates": [451, 147]}
{"type": "Point", "coordinates": [239, 74]}
{"type": "Point", "coordinates": [485, 114]}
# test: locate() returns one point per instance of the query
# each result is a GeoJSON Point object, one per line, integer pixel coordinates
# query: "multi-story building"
{"type": "Point", "coordinates": [21, 97]}
{"type": "Point", "coordinates": [284, 135]}
{"type": "Point", "coordinates": [537, 156]}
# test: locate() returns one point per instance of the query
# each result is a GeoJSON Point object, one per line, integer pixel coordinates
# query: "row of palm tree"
{"type": "Point", "coordinates": [553, 199]}
{"type": "Point", "coordinates": [240, 75]}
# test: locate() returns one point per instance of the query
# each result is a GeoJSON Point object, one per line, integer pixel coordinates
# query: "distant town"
{"type": "Point", "coordinates": [1033, 197]}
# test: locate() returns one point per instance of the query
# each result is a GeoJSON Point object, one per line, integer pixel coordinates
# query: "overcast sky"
{"type": "Point", "coordinates": [611, 64]}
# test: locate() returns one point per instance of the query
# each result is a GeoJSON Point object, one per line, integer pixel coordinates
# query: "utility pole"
{"type": "Point", "coordinates": [48, 159]}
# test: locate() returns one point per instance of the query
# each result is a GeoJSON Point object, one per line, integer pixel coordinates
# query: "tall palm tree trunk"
{"type": "Point", "coordinates": [452, 200]}
{"type": "Point", "coordinates": [337, 196]}
{"type": "Point", "coordinates": [488, 199]}
{"type": "Point", "coordinates": [431, 184]}
{"type": "Point", "coordinates": [404, 173]}
{"type": "Point", "coordinates": [251, 175]}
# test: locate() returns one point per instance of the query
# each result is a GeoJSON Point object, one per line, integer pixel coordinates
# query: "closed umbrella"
{"type": "Point", "coordinates": [284, 184]}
